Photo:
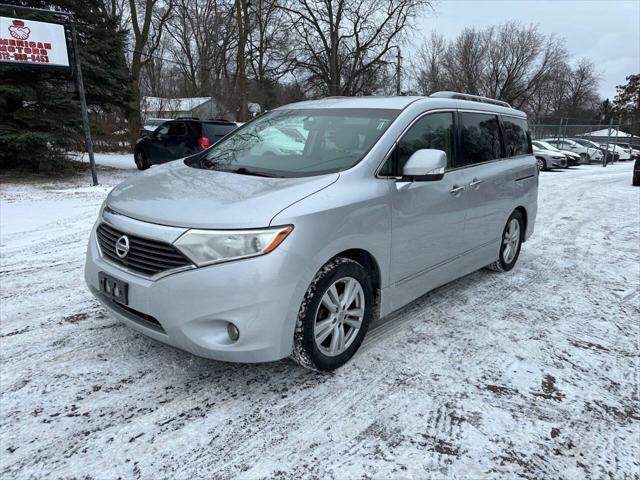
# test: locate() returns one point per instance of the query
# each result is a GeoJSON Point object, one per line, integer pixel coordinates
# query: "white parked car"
{"type": "Point", "coordinates": [548, 159]}
{"type": "Point", "coordinates": [590, 144]}
{"type": "Point", "coordinates": [623, 153]}
{"type": "Point", "coordinates": [573, 159]}
{"type": "Point", "coordinates": [586, 153]}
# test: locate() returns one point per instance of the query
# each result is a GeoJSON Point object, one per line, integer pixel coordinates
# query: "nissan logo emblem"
{"type": "Point", "coordinates": [122, 246]}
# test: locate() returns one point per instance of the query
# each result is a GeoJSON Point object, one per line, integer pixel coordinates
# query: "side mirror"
{"type": "Point", "coordinates": [425, 165]}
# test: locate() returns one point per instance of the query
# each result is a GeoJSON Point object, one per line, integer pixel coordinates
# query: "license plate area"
{"type": "Point", "coordinates": [115, 289]}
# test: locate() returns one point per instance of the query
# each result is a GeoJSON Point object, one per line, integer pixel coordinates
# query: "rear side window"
{"type": "Point", "coordinates": [433, 131]}
{"type": "Point", "coordinates": [194, 129]}
{"type": "Point", "coordinates": [481, 138]}
{"type": "Point", "coordinates": [215, 131]}
{"type": "Point", "coordinates": [517, 140]}
{"type": "Point", "coordinates": [177, 129]}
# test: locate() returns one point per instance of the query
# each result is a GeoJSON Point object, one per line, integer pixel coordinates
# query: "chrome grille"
{"type": "Point", "coordinates": [145, 256]}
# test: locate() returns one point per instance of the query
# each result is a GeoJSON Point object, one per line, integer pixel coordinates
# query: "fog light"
{"type": "Point", "coordinates": [233, 332]}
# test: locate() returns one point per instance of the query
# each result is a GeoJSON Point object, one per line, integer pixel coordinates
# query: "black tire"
{"type": "Point", "coordinates": [542, 164]}
{"type": "Point", "coordinates": [501, 265]}
{"type": "Point", "coordinates": [305, 351]}
{"type": "Point", "coordinates": [636, 179]}
{"type": "Point", "coordinates": [141, 160]}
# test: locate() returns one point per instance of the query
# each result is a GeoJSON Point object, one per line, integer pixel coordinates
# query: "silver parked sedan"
{"type": "Point", "coordinates": [248, 255]}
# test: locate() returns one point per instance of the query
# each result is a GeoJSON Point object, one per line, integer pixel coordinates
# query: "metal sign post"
{"type": "Point", "coordinates": [19, 53]}
{"type": "Point", "coordinates": [83, 106]}
{"type": "Point", "coordinates": [604, 162]}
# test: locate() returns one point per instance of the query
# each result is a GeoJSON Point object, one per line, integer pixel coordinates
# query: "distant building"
{"type": "Point", "coordinates": [613, 135]}
{"type": "Point", "coordinates": [201, 107]}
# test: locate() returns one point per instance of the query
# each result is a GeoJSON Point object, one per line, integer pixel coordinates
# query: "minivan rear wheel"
{"type": "Point", "coordinates": [510, 245]}
{"type": "Point", "coordinates": [334, 316]}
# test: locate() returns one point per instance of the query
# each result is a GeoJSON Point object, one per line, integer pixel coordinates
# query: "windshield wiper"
{"type": "Point", "coordinates": [255, 173]}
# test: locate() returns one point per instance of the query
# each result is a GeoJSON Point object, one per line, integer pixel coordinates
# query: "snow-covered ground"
{"type": "Point", "coordinates": [533, 373]}
{"type": "Point", "coordinates": [114, 160]}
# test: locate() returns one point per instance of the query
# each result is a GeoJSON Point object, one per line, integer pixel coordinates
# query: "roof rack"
{"type": "Point", "coordinates": [187, 118]}
{"type": "Point", "coordinates": [466, 96]}
{"type": "Point", "coordinates": [219, 120]}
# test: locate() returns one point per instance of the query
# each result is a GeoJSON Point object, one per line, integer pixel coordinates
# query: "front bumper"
{"type": "Point", "coordinates": [559, 162]}
{"type": "Point", "coordinates": [191, 309]}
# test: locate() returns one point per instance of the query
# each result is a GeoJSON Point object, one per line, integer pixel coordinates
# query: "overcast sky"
{"type": "Point", "coordinates": [607, 32]}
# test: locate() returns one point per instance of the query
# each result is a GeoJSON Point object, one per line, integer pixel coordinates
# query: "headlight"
{"type": "Point", "coordinates": [101, 209]}
{"type": "Point", "coordinates": [205, 247]}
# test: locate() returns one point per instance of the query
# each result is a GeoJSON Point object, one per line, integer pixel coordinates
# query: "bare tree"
{"type": "Point", "coordinates": [119, 10]}
{"type": "Point", "coordinates": [511, 62]}
{"type": "Point", "coordinates": [269, 52]}
{"type": "Point", "coordinates": [342, 44]}
{"type": "Point", "coordinates": [203, 36]}
{"type": "Point", "coordinates": [428, 65]}
{"type": "Point", "coordinates": [148, 19]}
{"type": "Point", "coordinates": [582, 92]}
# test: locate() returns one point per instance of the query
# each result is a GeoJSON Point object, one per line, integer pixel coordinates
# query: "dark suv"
{"type": "Point", "coordinates": [179, 138]}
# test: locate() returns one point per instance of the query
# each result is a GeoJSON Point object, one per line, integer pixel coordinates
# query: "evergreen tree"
{"type": "Point", "coordinates": [627, 104]}
{"type": "Point", "coordinates": [39, 107]}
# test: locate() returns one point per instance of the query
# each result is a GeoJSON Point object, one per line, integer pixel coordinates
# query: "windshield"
{"type": "Point", "coordinates": [546, 146]}
{"type": "Point", "coordinates": [299, 142]}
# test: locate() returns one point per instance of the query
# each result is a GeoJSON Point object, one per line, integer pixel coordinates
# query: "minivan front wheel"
{"type": "Point", "coordinates": [510, 245]}
{"type": "Point", "coordinates": [334, 316]}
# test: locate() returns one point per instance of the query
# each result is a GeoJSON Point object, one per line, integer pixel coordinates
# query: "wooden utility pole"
{"type": "Point", "coordinates": [398, 72]}
{"type": "Point", "coordinates": [242, 19]}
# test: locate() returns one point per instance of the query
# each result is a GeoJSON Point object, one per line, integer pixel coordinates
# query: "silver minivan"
{"type": "Point", "coordinates": [251, 254]}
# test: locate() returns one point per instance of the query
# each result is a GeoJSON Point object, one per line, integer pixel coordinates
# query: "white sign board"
{"type": "Point", "coordinates": [31, 42]}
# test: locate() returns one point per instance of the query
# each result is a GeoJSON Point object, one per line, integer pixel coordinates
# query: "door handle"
{"type": "Point", "coordinates": [456, 189]}
{"type": "Point", "coordinates": [475, 182]}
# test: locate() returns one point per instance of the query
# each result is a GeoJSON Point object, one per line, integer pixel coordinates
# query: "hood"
{"type": "Point", "coordinates": [177, 195]}
{"type": "Point", "coordinates": [569, 154]}
{"type": "Point", "coordinates": [548, 152]}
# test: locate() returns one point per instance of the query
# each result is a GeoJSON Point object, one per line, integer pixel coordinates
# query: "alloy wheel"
{"type": "Point", "coordinates": [511, 240]}
{"type": "Point", "coordinates": [339, 316]}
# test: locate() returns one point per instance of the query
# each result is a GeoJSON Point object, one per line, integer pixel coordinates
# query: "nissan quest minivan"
{"type": "Point", "coordinates": [247, 254]}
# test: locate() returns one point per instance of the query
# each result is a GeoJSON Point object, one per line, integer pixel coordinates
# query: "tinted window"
{"type": "Point", "coordinates": [481, 140]}
{"type": "Point", "coordinates": [177, 129]}
{"type": "Point", "coordinates": [516, 132]}
{"type": "Point", "coordinates": [434, 131]}
{"type": "Point", "coordinates": [215, 131]}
